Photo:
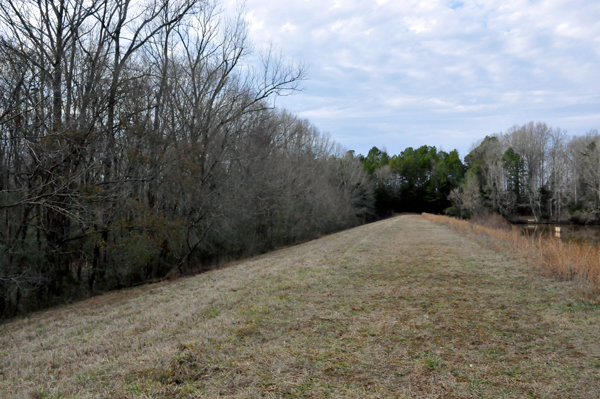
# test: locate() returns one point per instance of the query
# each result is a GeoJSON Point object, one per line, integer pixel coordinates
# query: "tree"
{"type": "Point", "coordinates": [123, 127]}
{"type": "Point", "coordinates": [375, 159]}
{"type": "Point", "coordinates": [467, 197]}
{"type": "Point", "coordinates": [591, 172]}
{"type": "Point", "coordinates": [531, 142]}
{"type": "Point", "coordinates": [513, 165]}
{"type": "Point", "coordinates": [537, 169]}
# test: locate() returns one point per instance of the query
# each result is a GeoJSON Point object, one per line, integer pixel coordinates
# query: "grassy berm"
{"type": "Point", "coordinates": [403, 308]}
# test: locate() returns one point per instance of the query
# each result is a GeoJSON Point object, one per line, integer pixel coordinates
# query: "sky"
{"type": "Point", "coordinates": [400, 73]}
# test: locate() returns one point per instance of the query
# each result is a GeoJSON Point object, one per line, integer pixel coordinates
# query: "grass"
{"type": "Point", "coordinates": [547, 255]}
{"type": "Point", "coordinates": [402, 308]}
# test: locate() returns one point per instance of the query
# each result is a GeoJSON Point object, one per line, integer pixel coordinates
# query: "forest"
{"type": "Point", "coordinates": [416, 180]}
{"type": "Point", "coordinates": [536, 170]}
{"type": "Point", "coordinates": [141, 141]}
{"type": "Point", "coordinates": [532, 169]}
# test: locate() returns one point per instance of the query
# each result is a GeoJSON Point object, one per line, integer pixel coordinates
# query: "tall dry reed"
{"type": "Point", "coordinates": [548, 255]}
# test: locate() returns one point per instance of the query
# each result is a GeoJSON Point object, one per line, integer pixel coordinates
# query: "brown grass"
{"type": "Point", "coordinates": [491, 220]}
{"type": "Point", "coordinates": [403, 308]}
{"type": "Point", "coordinates": [547, 255]}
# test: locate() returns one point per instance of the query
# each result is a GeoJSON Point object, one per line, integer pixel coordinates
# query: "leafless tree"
{"type": "Point", "coordinates": [137, 137]}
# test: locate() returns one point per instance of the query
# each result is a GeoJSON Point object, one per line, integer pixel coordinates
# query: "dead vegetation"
{"type": "Point", "coordinates": [401, 308]}
{"type": "Point", "coordinates": [549, 256]}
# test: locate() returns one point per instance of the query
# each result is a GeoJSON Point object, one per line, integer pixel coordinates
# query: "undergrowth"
{"type": "Point", "coordinates": [547, 255]}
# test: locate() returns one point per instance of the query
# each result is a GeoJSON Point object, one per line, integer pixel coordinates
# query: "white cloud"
{"type": "Point", "coordinates": [288, 27]}
{"type": "Point", "coordinates": [403, 70]}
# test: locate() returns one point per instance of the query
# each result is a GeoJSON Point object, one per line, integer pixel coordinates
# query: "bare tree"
{"type": "Point", "coordinates": [122, 126]}
{"type": "Point", "coordinates": [591, 169]}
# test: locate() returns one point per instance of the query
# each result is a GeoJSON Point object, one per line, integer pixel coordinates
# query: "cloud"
{"type": "Point", "coordinates": [288, 27]}
{"type": "Point", "coordinates": [397, 71]}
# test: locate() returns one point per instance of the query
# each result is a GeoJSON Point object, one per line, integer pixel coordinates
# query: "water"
{"type": "Point", "coordinates": [585, 234]}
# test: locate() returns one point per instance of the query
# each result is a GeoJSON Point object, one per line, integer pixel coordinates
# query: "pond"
{"type": "Point", "coordinates": [588, 234]}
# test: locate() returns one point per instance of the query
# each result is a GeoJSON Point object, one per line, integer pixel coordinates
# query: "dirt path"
{"type": "Point", "coordinates": [399, 308]}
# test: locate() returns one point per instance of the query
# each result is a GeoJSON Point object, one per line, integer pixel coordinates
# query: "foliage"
{"type": "Point", "coordinates": [415, 180]}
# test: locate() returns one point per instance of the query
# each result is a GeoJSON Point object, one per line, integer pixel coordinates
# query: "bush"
{"type": "Point", "coordinates": [491, 220]}
{"type": "Point", "coordinates": [452, 211]}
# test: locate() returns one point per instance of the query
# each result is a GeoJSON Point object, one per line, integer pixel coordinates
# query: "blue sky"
{"type": "Point", "coordinates": [406, 73]}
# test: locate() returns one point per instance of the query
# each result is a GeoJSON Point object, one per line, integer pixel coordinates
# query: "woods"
{"type": "Point", "coordinates": [536, 170]}
{"type": "Point", "coordinates": [416, 180]}
{"type": "Point", "coordinates": [138, 139]}
{"type": "Point", "coordinates": [531, 170]}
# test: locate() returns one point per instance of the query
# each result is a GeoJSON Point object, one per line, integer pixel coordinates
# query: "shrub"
{"type": "Point", "coordinates": [491, 220]}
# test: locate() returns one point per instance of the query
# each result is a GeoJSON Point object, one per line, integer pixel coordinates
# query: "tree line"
{"type": "Point", "coordinates": [531, 170]}
{"type": "Point", "coordinates": [416, 180]}
{"type": "Point", "coordinates": [140, 139]}
{"type": "Point", "coordinates": [536, 170]}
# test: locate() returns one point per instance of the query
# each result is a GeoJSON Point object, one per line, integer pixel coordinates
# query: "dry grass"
{"type": "Point", "coordinates": [403, 308]}
{"type": "Point", "coordinates": [491, 220]}
{"type": "Point", "coordinates": [547, 255]}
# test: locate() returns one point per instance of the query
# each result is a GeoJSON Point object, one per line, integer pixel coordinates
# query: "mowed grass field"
{"type": "Point", "coordinates": [402, 308]}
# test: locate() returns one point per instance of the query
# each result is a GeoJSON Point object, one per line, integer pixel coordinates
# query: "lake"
{"type": "Point", "coordinates": [589, 234]}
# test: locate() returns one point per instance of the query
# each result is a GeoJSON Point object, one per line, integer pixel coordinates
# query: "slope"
{"type": "Point", "coordinates": [398, 308]}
